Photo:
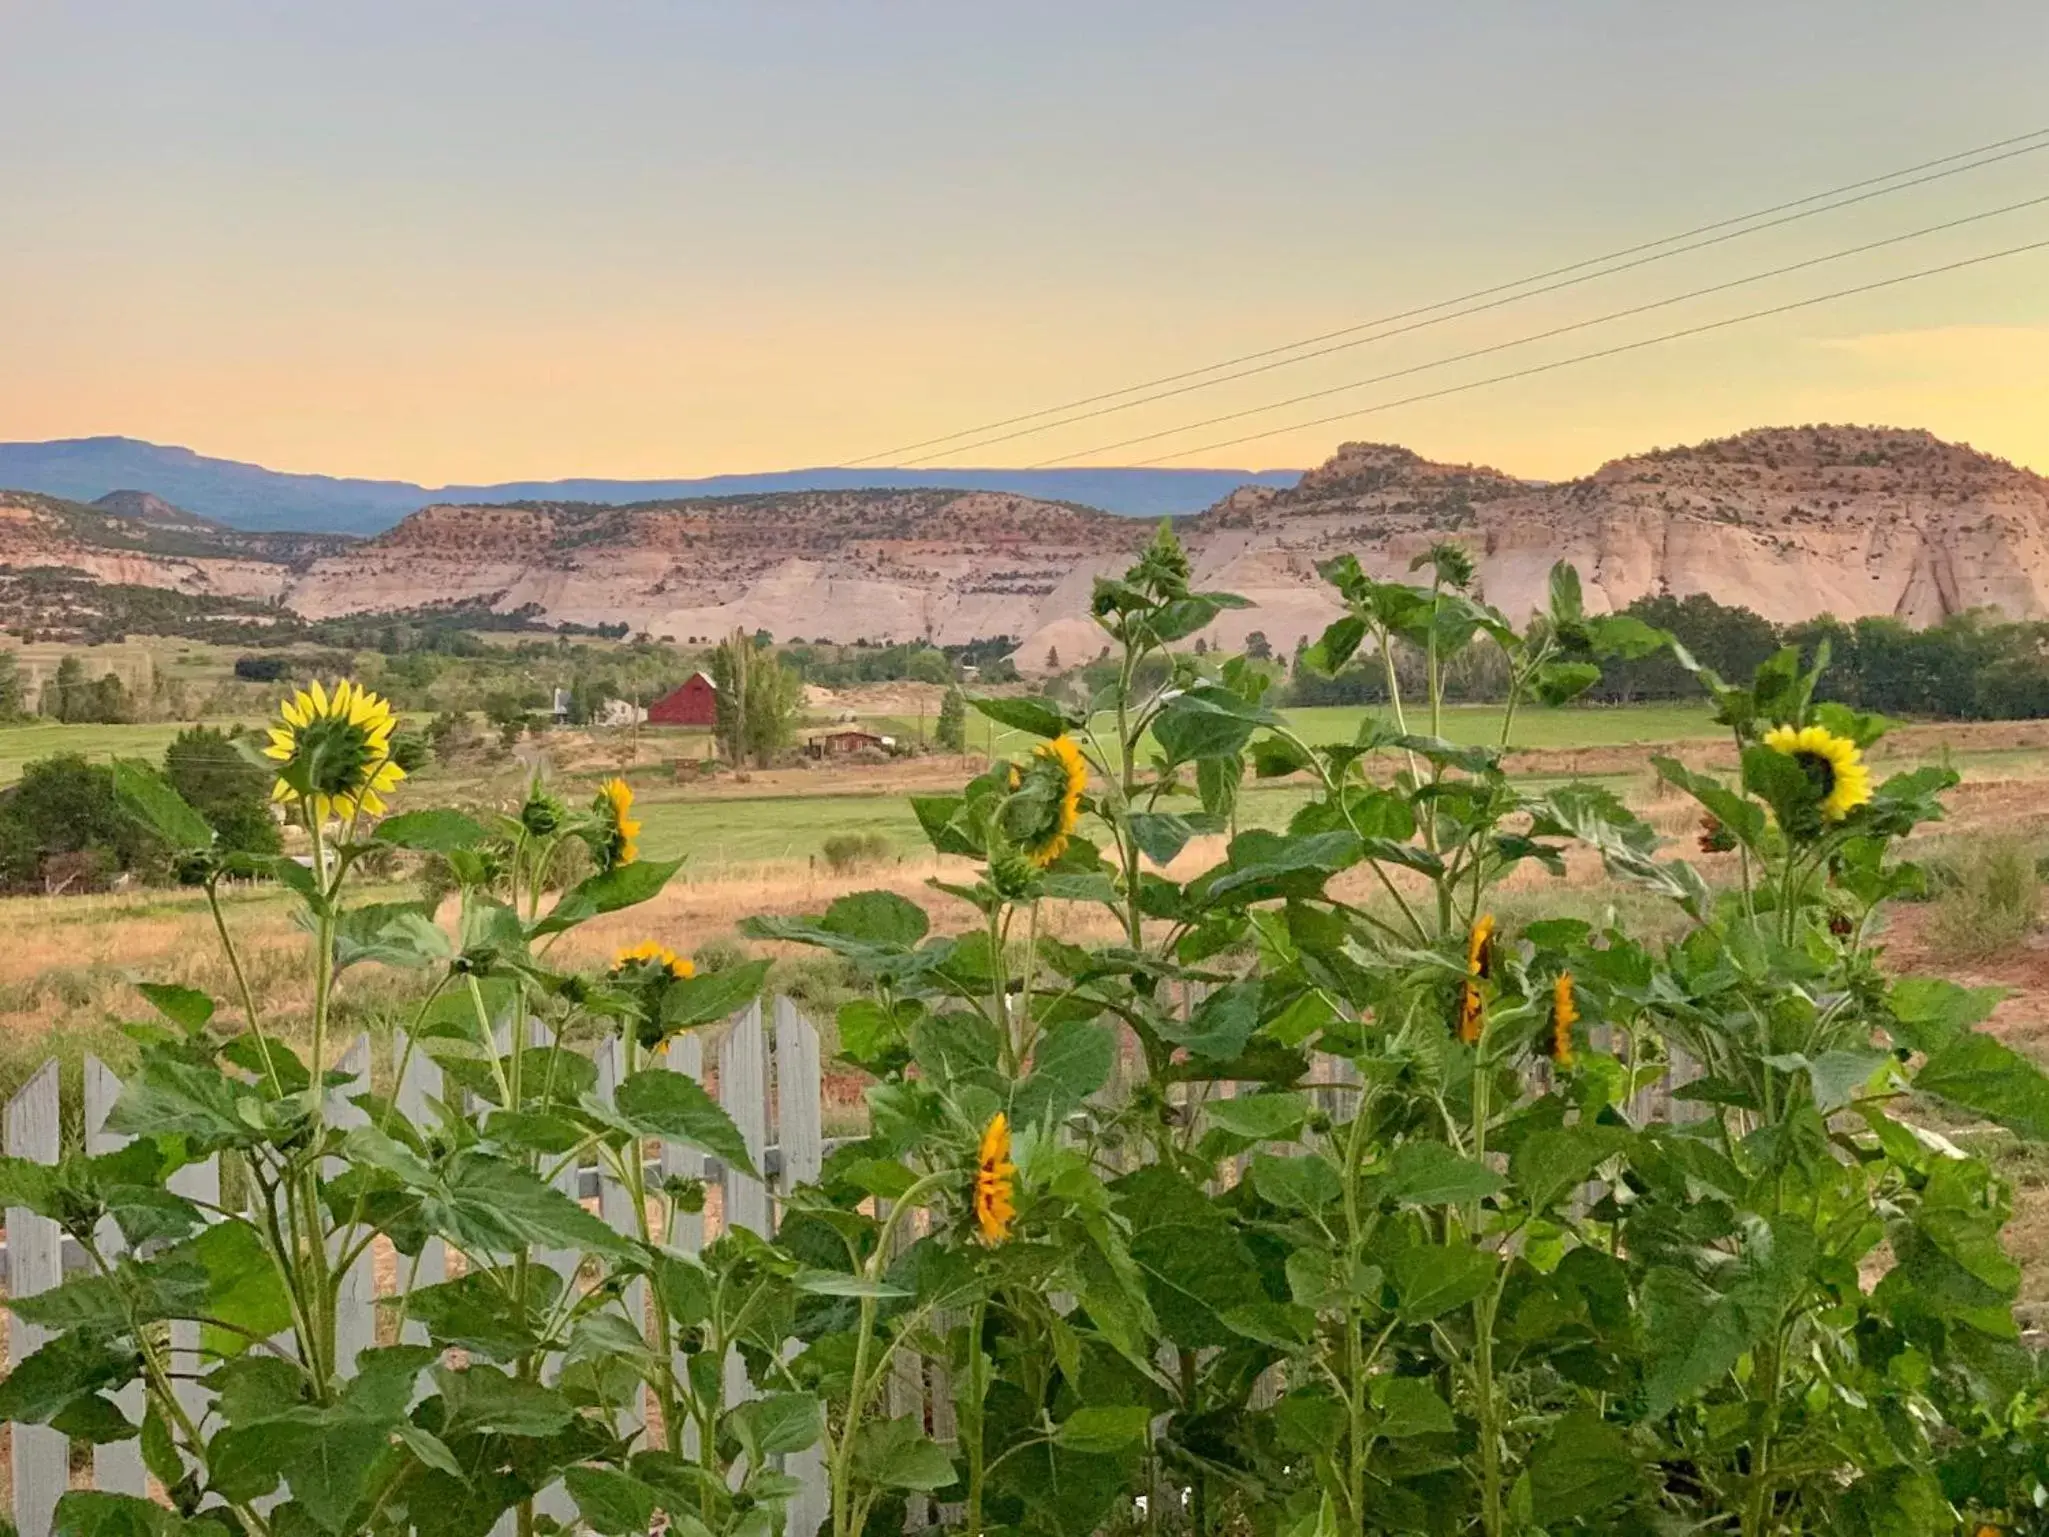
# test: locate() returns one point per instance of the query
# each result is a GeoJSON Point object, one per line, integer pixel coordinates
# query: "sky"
{"type": "Point", "coordinates": [476, 242]}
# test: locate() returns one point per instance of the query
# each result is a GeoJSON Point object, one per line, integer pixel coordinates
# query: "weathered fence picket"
{"type": "Point", "coordinates": [35, 1263]}
{"type": "Point", "coordinates": [116, 1465]}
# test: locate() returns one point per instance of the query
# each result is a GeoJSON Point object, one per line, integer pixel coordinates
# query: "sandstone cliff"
{"type": "Point", "coordinates": [1788, 521]}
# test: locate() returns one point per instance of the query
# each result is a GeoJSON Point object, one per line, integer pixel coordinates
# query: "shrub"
{"type": "Point", "coordinates": [262, 669]}
{"type": "Point", "coordinates": [848, 852]}
{"type": "Point", "coordinates": [62, 826]}
{"type": "Point", "coordinates": [1991, 897]}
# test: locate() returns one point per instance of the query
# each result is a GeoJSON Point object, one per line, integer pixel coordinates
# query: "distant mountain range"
{"type": "Point", "coordinates": [248, 496]}
{"type": "Point", "coordinates": [1789, 521]}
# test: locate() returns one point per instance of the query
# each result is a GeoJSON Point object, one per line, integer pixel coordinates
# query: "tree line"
{"type": "Point", "coordinates": [1971, 666]}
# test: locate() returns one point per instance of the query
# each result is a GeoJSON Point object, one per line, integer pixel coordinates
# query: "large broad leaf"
{"type": "Point", "coordinates": [92, 1513]}
{"type": "Point", "coordinates": [1196, 1266]}
{"type": "Point", "coordinates": [1431, 1174]}
{"type": "Point", "coordinates": [897, 1454]}
{"type": "Point", "coordinates": [146, 795]}
{"type": "Point", "coordinates": [607, 892]}
{"type": "Point", "coordinates": [1930, 1012]}
{"type": "Point", "coordinates": [1980, 1074]}
{"type": "Point", "coordinates": [777, 1425]}
{"type": "Point", "coordinates": [1432, 1279]}
{"type": "Point", "coordinates": [436, 830]}
{"type": "Point", "coordinates": [1071, 1060]}
{"type": "Point", "coordinates": [718, 995]}
{"type": "Point", "coordinates": [1263, 865]}
{"type": "Point", "coordinates": [1040, 717]}
{"type": "Point", "coordinates": [1161, 835]}
{"type": "Point", "coordinates": [612, 1504]}
{"type": "Point", "coordinates": [243, 1285]}
{"type": "Point", "coordinates": [1208, 721]}
{"type": "Point", "coordinates": [1221, 1024]}
{"type": "Point", "coordinates": [675, 1107]}
{"type": "Point", "coordinates": [1409, 1406]}
{"type": "Point", "coordinates": [166, 1096]}
{"type": "Point", "coordinates": [183, 1006]}
{"type": "Point", "coordinates": [1548, 1166]}
{"type": "Point", "coordinates": [1260, 1117]}
{"type": "Point", "coordinates": [1335, 646]}
{"type": "Point", "coordinates": [1104, 1428]}
{"type": "Point", "coordinates": [67, 1367]}
{"type": "Point", "coordinates": [483, 1398]}
{"type": "Point", "coordinates": [392, 933]}
{"type": "Point", "coordinates": [472, 1312]}
{"type": "Point", "coordinates": [1582, 1466]}
{"type": "Point", "coordinates": [880, 918]}
{"type": "Point", "coordinates": [1697, 1335]}
{"type": "Point", "coordinates": [1556, 683]}
{"type": "Point", "coordinates": [490, 1204]}
{"type": "Point", "coordinates": [1307, 1183]}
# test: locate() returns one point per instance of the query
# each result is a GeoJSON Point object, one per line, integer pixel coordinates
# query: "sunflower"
{"type": "Point", "coordinates": [995, 1176]}
{"type": "Point", "coordinates": [650, 953]}
{"type": "Point", "coordinates": [1479, 966]}
{"type": "Point", "coordinates": [617, 825]}
{"type": "Point", "coordinates": [1832, 763]}
{"type": "Point", "coordinates": [1060, 765]}
{"type": "Point", "coordinates": [333, 751]}
{"type": "Point", "coordinates": [1564, 1015]}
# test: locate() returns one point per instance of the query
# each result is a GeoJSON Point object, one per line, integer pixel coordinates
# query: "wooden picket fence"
{"type": "Point", "coordinates": [769, 1079]}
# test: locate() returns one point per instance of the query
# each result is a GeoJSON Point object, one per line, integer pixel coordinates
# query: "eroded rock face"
{"type": "Point", "coordinates": [1789, 521]}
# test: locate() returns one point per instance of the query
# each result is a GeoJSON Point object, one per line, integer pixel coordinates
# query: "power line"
{"type": "Point", "coordinates": [1460, 314]}
{"type": "Point", "coordinates": [1605, 352]}
{"type": "Point", "coordinates": [1481, 293]}
{"type": "Point", "coordinates": [1539, 336]}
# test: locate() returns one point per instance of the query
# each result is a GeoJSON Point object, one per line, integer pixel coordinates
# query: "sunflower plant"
{"type": "Point", "coordinates": [498, 1394]}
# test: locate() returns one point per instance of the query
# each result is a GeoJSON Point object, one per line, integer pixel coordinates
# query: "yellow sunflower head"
{"type": "Point", "coordinates": [333, 751]}
{"type": "Point", "coordinates": [1046, 799]}
{"type": "Point", "coordinates": [1479, 966]}
{"type": "Point", "coordinates": [652, 955]}
{"type": "Point", "coordinates": [995, 1187]}
{"type": "Point", "coordinates": [1832, 763]}
{"type": "Point", "coordinates": [618, 833]}
{"type": "Point", "coordinates": [1564, 1015]}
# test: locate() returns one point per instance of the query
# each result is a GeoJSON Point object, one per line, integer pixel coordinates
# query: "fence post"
{"type": "Point", "coordinates": [615, 1207]}
{"type": "Point", "coordinates": [35, 1263]}
{"type": "Point", "coordinates": [417, 1084]}
{"type": "Point", "coordinates": [355, 1303]}
{"type": "Point", "coordinates": [685, 1055]}
{"type": "Point", "coordinates": [800, 1133]}
{"type": "Point", "coordinates": [743, 1090]}
{"type": "Point", "coordinates": [116, 1465]}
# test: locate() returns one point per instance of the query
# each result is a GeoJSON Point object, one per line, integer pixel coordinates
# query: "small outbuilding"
{"type": "Point", "coordinates": [696, 703]}
{"type": "Point", "coordinates": [839, 743]}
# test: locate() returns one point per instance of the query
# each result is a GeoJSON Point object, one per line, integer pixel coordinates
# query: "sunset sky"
{"type": "Point", "coordinates": [519, 240]}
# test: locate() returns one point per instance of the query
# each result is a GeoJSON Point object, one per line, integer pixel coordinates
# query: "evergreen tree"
{"type": "Point", "coordinates": [233, 794]}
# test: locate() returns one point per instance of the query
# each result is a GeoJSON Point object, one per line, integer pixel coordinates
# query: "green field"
{"type": "Point", "coordinates": [44, 739]}
{"type": "Point", "coordinates": [1573, 726]}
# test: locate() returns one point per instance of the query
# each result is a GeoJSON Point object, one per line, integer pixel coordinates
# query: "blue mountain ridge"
{"type": "Point", "coordinates": [248, 496]}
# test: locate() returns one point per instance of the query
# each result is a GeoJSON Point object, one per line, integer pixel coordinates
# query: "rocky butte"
{"type": "Point", "coordinates": [1791, 522]}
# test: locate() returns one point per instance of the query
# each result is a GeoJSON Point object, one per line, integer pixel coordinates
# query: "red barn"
{"type": "Point", "coordinates": [696, 703]}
